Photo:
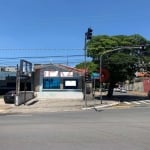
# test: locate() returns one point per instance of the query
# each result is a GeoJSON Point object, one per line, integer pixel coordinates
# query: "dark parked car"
{"type": "Point", "coordinates": [9, 97]}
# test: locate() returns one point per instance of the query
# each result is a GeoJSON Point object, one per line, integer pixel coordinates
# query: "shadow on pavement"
{"type": "Point", "coordinates": [32, 102]}
{"type": "Point", "coordinates": [121, 98]}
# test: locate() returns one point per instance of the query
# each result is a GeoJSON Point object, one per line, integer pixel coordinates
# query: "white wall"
{"type": "Point", "coordinates": [60, 95]}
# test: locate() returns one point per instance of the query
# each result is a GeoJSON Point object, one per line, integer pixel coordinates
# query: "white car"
{"type": "Point", "coordinates": [123, 90]}
{"type": "Point", "coordinates": [117, 89]}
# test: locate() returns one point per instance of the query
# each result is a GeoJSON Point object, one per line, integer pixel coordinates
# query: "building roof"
{"type": "Point", "coordinates": [60, 67]}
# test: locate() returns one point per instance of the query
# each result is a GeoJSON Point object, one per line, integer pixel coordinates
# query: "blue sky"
{"type": "Point", "coordinates": [59, 26]}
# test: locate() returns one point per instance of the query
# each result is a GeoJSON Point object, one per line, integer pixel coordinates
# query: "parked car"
{"type": "Point", "coordinates": [9, 97]}
{"type": "Point", "coordinates": [123, 90]}
{"type": "Point", "coordinates": [117, 89]}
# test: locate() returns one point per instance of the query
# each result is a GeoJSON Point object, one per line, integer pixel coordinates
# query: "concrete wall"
{"type": "Point", "coordinates": [137, 86]}
{"type": "Point", "coordinates": [60, 95]}
{"type": "Point", "coordinates": [24, 97]}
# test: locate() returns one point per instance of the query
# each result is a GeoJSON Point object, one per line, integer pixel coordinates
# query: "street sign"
{"type": "Point", "coordinates": [95, 75]}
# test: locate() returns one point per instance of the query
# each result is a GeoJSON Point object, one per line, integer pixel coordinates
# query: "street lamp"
{"type": "Point", "coordinates": [101, 59]}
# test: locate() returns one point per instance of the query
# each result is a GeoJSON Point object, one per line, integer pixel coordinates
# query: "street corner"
{"type": "Point", "coordinates": [121, 106]}
{"type": "Point", "coordinates": [105, 105]}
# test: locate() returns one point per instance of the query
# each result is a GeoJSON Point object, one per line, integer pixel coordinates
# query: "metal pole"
{"type": "Point", "coordinates": [100, 64]}
{"type": "Point", "coordinates": [85, 53]}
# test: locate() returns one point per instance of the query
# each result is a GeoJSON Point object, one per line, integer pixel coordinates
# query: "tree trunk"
{"type": "Point", "coordinates": [111, 89]}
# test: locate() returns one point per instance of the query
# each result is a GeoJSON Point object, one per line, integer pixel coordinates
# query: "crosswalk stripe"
{"type": "Point", "coordinates": [147, 101]}
{"type": "Point", "coordinates": [136, 103]}
{"type": "Point", "coordinates": [127, 103]}
{"type": "Point", "coordinates": [143, 102]}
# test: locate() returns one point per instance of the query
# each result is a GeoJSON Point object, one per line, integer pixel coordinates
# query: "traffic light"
{"type": "Point", "coordinates": [87, 76]}
{"type": "Point", "coordinates": [89, 34]}
{"type": "Point", "coordinates": [142, 47]}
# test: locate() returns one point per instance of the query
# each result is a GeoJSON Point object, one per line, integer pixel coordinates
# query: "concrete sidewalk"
{"type": "Point", "coordinates": [4, 107]}
{"type": "Point", "coordinates": [56, 105]}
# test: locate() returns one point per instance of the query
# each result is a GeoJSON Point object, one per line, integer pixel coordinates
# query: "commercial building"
{"type": "Point", "coordinates": [58, 81]}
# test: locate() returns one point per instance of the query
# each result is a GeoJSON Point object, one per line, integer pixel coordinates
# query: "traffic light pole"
{"type": "Point", "coordinates": [88, 36]}
{"type": "Point", "coordinates": [85, 53]}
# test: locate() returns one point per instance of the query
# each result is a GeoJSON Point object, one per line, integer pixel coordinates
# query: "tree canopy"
{"type": "Point", "coordinates": [90, 66]}
{"type": "Point", "coordinates": [122, 63]}
{"type": "Point", "coordinates": [101, 43]}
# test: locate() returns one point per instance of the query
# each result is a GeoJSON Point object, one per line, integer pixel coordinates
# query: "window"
{"type": "Point", "coordinates": [70, 84]}
{"type": "Point", "coordinates": [51, 83]}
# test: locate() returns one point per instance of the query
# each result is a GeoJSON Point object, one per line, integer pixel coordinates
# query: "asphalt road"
{"type": "Point", "coordinates": [112, 129]}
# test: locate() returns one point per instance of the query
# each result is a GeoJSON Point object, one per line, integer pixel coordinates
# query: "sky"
{"type": "Point", "coordinates": [53, 31]}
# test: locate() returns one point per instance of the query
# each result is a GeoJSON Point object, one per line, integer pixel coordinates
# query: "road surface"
{"type": "Point", "coordinates": [117, 129]}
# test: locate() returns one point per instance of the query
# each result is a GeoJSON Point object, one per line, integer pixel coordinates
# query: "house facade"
{"type": "Point", "coordinates": [54, 81]}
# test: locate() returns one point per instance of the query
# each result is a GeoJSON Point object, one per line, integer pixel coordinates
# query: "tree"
{"type": "Point", "coordinates": [91, 66]}
{"type": "Point", "coordinates": [122, 63]}
{"type": "Point", "coordinates": [99, 44]}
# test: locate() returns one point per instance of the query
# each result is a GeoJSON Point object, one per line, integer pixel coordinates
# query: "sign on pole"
{"type": "Point", "coordinates": [95, 75]}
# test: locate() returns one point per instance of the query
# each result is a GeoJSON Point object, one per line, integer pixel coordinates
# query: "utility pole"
{"type": "Point", "coordinates": [17, 86]}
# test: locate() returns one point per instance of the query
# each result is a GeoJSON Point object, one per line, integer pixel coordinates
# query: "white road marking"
{"type": "Point", "coordinates": [143, 102]}
{"type": "Point", "coordinates": [136, 103]}
{"type": "Point", "coordinates": [19, 115]}
{"type": "Point", "coordinates": [147, 101]}
{"type": "Point", "coordinates": [127, 103]}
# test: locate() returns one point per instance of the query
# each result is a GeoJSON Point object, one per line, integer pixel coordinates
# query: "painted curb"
{"type": "Point", "coordinates": [101, 106]}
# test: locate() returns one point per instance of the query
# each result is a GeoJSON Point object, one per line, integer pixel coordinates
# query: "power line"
{"type": "Point", "coordinates": [42, 49]}
{"type": "Point", "coordinates": [34, 57]}
{"type": "Point", "coordinates": [55, 59]}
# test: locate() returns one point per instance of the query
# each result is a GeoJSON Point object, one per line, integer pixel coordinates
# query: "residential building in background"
{"type": "Point", "coordinates": [8, 69]}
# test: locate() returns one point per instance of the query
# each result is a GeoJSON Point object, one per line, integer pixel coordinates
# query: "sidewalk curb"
{"type": "Point", "coordinates": [101, 106]}
{"type": "Point", "coordinates": [27, 109]}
